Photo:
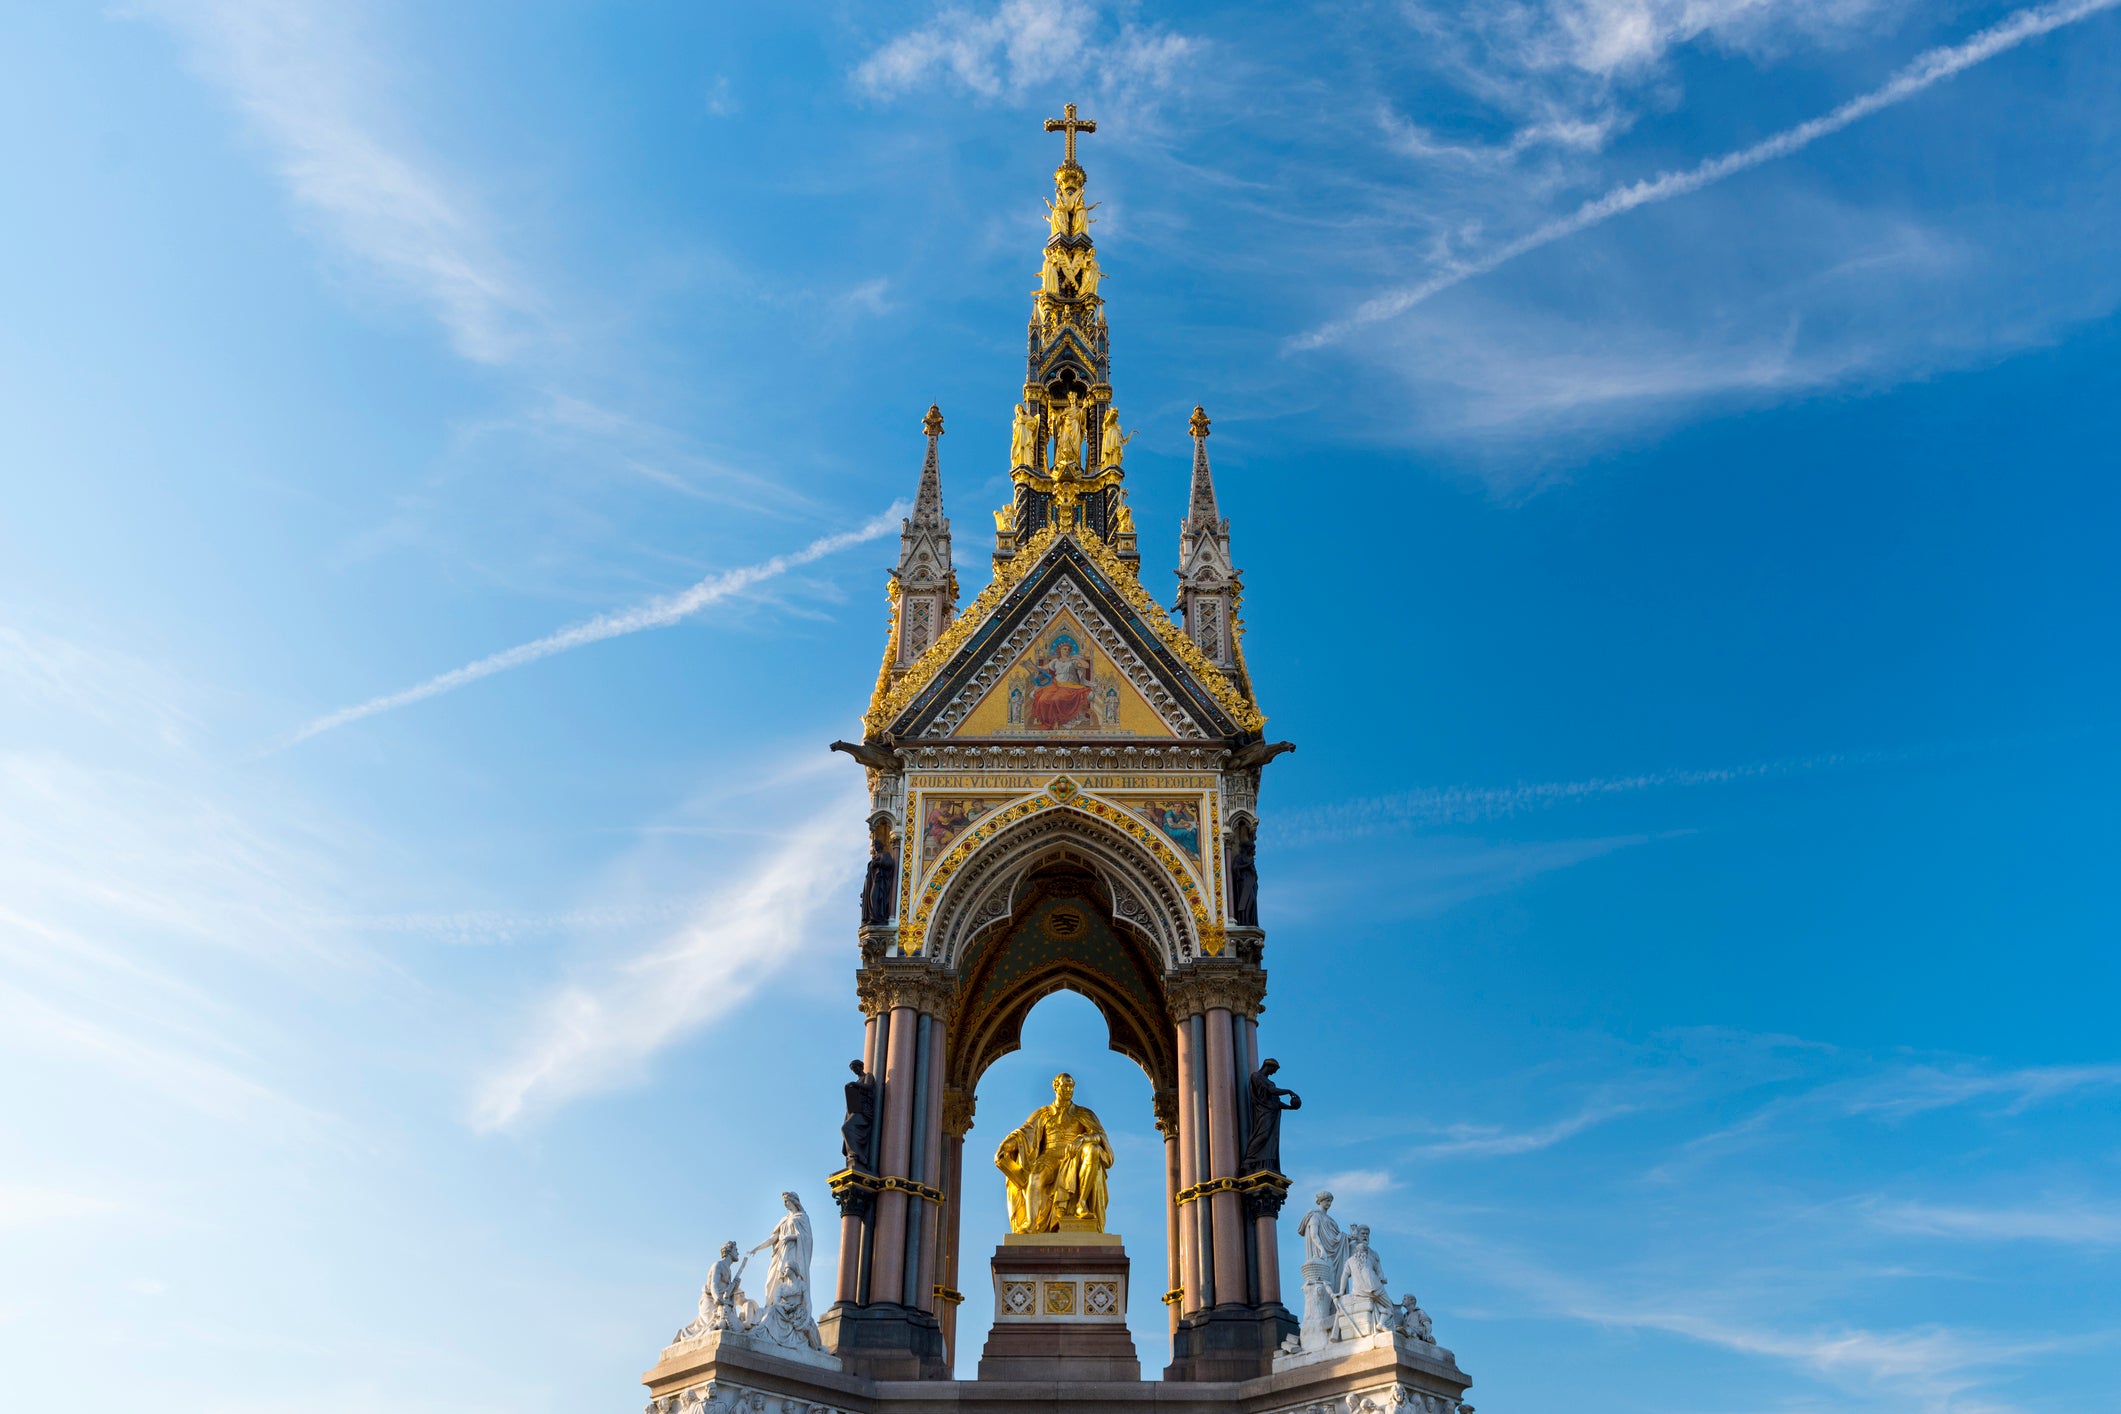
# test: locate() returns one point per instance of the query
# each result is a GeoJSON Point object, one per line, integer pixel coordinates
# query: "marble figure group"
{"type": "Point", "coordinates": [1344, 1286]}
{"type": "Point", "coordinates": [784, 1317]}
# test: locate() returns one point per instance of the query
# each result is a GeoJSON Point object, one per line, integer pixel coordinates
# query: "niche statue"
{"type": "Point", "coordinates": [1244, 876]}
{"type": "Point", "coordinates": [880, 879]}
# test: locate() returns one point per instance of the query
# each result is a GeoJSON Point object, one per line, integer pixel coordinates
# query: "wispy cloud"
{"type": "Point", "coordinates": [1934, 1365]}
{"type": "Point", "coordinates": [308, 82]}
{"type": "Point", "coordinates": [2071, 1224]}
{"type": "Point", "coordinates": [1464, 805]}
{"type": "Point", "coordinates": [1485, 1141]}
{"type": "Point", "coordinates": [591, 1035]}
{"type": "Point", "coordinates": [1927, 70]}
{"type": "Point", "coordinates": [661, 612]}
{"type": "Point", "coordinates": [1023, 45]}
{"type": "Point", "coordinates": [1921, 1088]}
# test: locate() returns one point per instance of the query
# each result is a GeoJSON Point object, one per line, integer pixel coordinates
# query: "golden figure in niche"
{"type": "Point", "coordinates": [1055, 1165]}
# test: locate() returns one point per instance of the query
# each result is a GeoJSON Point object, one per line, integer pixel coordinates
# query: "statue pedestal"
{"type": "Point", "coordinates": [1060, 1309]}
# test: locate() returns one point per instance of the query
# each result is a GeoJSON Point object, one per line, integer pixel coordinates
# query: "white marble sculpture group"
{"type": "Point", "coordinates": [784, 1318]}
{"type": "Point", "coordinates": [1344, 1287]}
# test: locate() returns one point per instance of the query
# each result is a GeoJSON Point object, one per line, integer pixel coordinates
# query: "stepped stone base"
{"type": "Point", "coordinates": [1060, 1309]}
{"type": "Point", "coordinates": [1380, 1375]}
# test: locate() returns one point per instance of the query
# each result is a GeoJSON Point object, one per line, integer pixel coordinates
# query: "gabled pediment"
{"type": "Point", "coordinates": [1064, 653]}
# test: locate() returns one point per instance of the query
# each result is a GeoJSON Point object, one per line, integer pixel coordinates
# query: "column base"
{"type": "Point", "coordinates": [1228, 1342]}
{"type": "Point", "coordinates": [885, 1341]}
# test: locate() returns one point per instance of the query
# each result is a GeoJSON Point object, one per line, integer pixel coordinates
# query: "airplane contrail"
{"type": "Point", "coordinates": [656, 613]}
{"type": "Point", "coordinates": [1929, 68]}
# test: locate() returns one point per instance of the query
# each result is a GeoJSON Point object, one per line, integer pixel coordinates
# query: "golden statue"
{"type": "Point", "coordinates": [1068, 438]}
{"type": "Point", "coordinates": [1023, 437]}
{"type": "Point", "coordinates": [1055, 1165]}
{"type": "Point", "coordinates": [1113, 444]}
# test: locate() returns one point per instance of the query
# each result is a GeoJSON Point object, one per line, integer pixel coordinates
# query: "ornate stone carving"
{"type": "Point", "coordinates": [1133, 757]}
{"type": "Point", "coordinates": [1166, 1106]}
{"type": "Point", "coordinates": [1039, 838]}
{"type": "Point", "coordinates": [905, 982]}
{"type": "Point", "coordinates": [1205, 986]}
{"type": "Point", "coordinates": [958, 1106]}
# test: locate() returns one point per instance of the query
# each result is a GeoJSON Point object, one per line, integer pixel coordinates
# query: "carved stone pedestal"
{"type": "Point", "coordinates": [1060, 1309]}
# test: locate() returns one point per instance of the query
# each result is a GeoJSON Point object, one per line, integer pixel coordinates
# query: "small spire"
{"type": "Point", "coordinates": [1201, 511]}
{"type": "Point", "coordinates": [928, 501]}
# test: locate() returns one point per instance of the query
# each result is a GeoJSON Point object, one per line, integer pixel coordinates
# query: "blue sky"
{"type": "Point", "coordinates": [1671, 448]}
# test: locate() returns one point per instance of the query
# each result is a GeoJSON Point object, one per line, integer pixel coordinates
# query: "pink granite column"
{"type": "Point", "coordinates": [929, 1247]}
{"type": "Point", "coordinates": [952, 1185]}
{"type": "Point", "coordinates": [893, 1149]}
{"type": "Point", "coordinates": [1189, 1260]}
{"type": "Point", "coordinates": [1228, 1211]}
{"type": "Point", "coordinates": [849, 1285]}
{"type": "Point", "coordinates": [1174, 1261]}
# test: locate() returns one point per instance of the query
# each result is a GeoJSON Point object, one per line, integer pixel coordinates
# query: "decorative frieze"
{"type": "Point", "coordinates": [1043, 758]}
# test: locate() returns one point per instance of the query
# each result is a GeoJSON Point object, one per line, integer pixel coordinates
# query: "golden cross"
{"type": "Point", "coordinates": [1071, 125]}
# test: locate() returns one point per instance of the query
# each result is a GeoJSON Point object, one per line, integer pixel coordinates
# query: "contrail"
{"type": "Point", "coordinates": [1932, 67]}
{"type": "Point", "coordinates": [656, 613]}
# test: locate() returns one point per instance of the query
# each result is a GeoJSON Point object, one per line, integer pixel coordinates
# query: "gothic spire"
{"type": "Point", "coordinates": [1208, 585]}
{"type": "Point", "coordinates": [926, 583]}
{"type": "Point", "coordinates": [928, 501]}
{"type": "Point", "coordinates": [1200, 506]}
{"type": "Point", "coordinates": [1066, 445]}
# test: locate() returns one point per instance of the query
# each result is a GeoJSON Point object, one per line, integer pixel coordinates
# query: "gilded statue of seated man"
{"type": "Point", "coordinates": [1055, 1164]}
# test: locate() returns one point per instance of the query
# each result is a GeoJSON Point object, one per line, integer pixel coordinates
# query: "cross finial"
{"type": "Point", "coordinates": [933, 423]}
{"type": "Point", "coordinates": [1071, 125]}
{"type": "Point", "coordinates": [1199, 425]}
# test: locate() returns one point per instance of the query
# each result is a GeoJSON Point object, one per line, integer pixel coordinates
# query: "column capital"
{"type": "Point", "coordinates": [889, 983]}
{"type": "Point", "coordinates": [958, 1106]}
{"type": "Point", "coordinates": [1236, 987]}
{"type": "Point", "coordinates": [1166, 1103]}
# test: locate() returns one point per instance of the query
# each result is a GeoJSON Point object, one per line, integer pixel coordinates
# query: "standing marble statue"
{"type": "Point", "coordinates": [786, 1317]}
{"type": "Point", "coordinates": [1263, 1146]}
{"type": "Point", "coordinates": [858, 1130]}
{"type": "Point", "coordinates": [1325, 1250]}
{"type": "Point", "coordinates": [880, 879]}
{"type": "Point", "coordinates": [1323, 1240]}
